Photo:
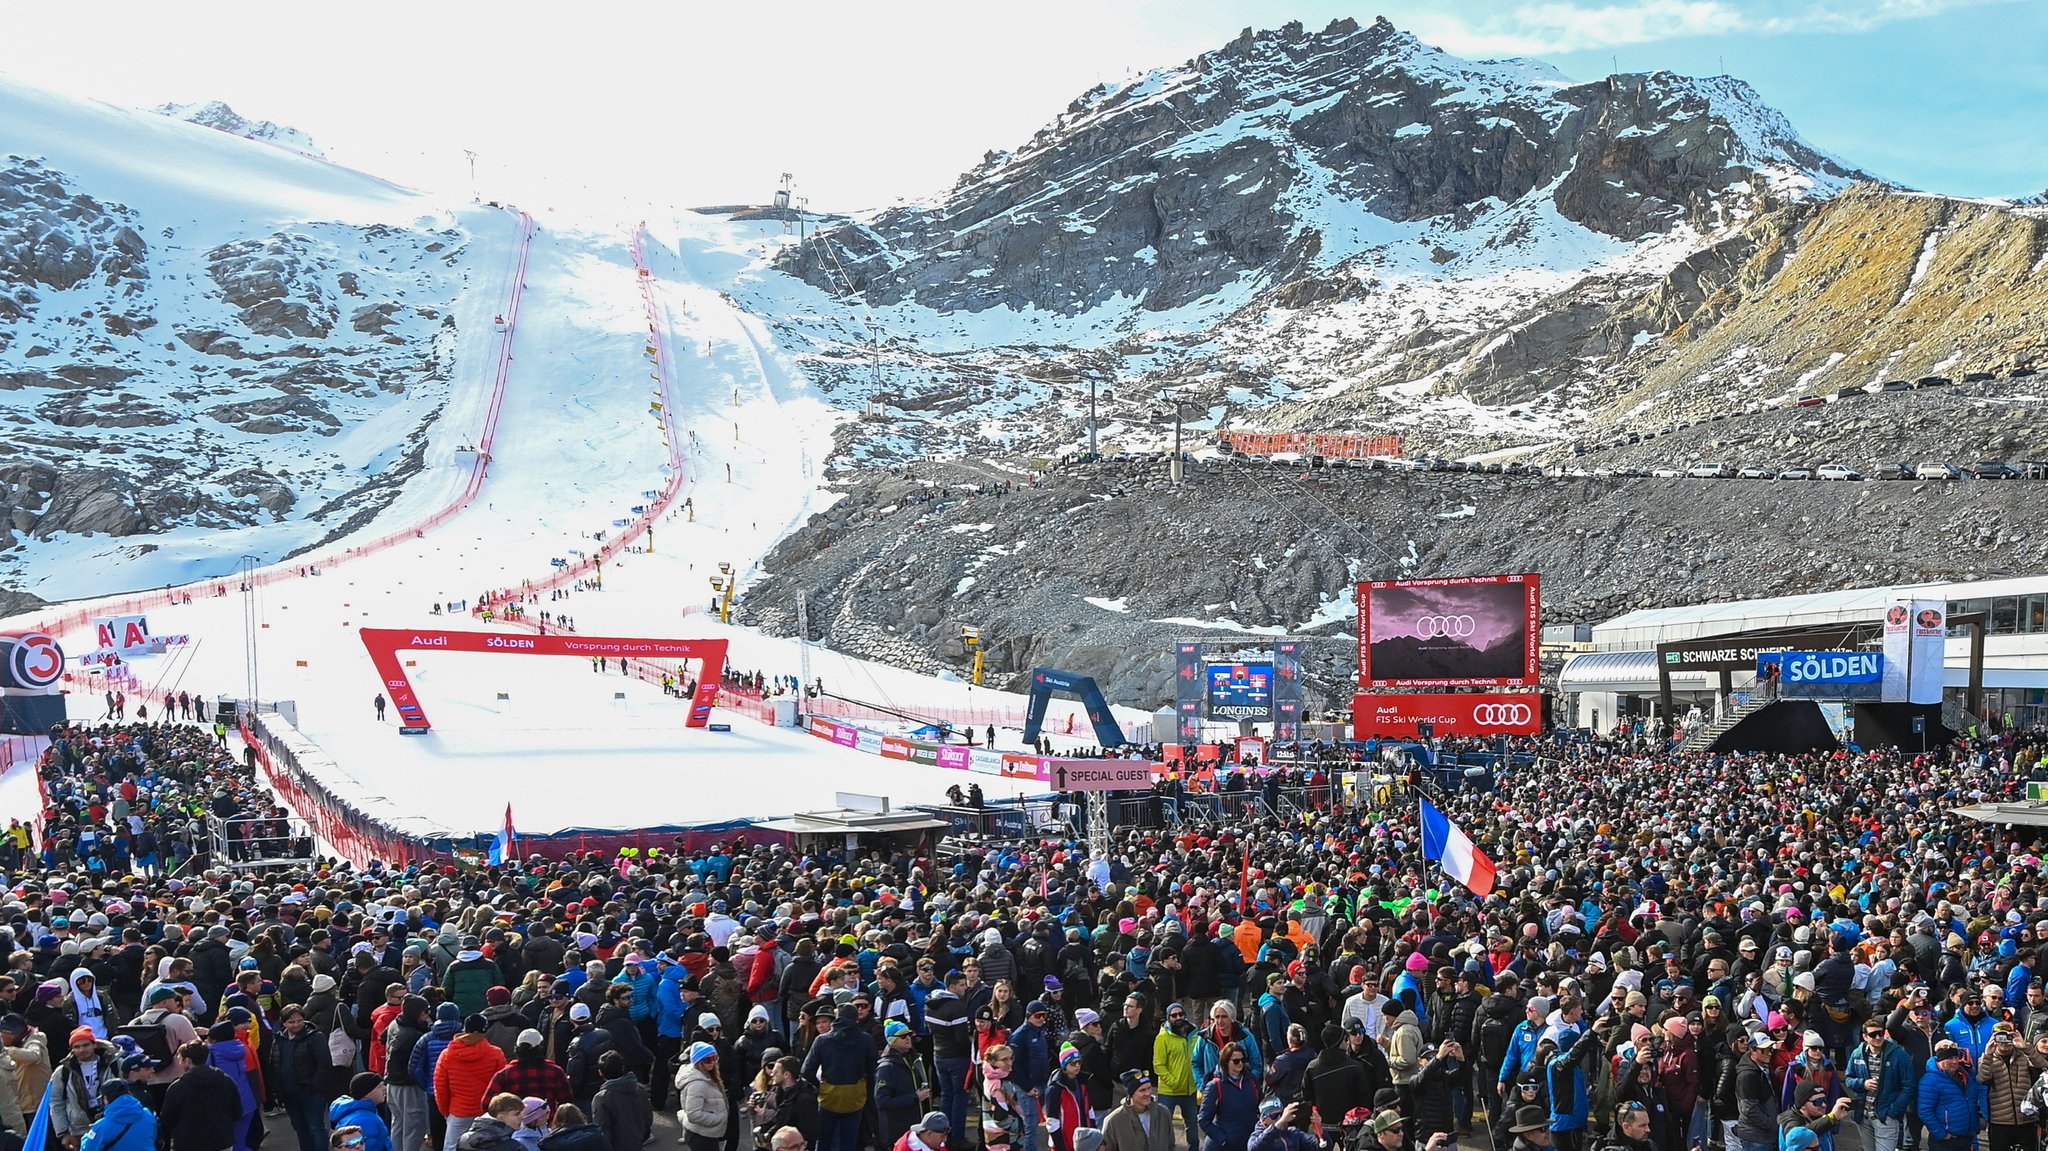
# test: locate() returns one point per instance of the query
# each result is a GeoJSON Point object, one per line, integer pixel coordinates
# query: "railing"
{"type": "Point", "coordinates": [253, 841]}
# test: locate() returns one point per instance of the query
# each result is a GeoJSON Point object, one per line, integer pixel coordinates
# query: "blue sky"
{"type": "Point", "coordinates": [649, 101]}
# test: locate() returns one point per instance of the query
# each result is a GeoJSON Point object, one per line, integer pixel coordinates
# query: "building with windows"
{"type": "Point", "coordinates": [1617, 680]}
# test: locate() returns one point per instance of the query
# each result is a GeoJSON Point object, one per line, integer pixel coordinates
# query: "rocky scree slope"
{"type": "Point", "coordinates": [895, 567]}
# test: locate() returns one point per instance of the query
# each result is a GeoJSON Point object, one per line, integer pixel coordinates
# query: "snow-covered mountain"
{"type": "Point", "coordinates": [216, 114]}
{"type": "Point", "coordinates": [200, 333]}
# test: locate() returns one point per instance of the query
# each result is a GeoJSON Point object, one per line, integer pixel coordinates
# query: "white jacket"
{"type": "Point", "coordinates": [701, 1103]}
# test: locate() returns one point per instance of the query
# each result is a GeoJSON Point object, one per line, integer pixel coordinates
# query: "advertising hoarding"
{"type": "Point", "coordinates": [1821, 667]}
{"type": "Point", "coordinates": [1468, 631]}
{"type": "Point", "coordinates": [1450, 714]}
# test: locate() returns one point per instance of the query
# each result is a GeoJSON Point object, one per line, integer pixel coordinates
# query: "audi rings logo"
{"type": "Point", "coordinates": [1503, 714]}
{"type": "Point", "coordinates": [1450, 626]}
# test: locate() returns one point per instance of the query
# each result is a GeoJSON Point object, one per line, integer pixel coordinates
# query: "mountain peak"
{"type": "Point", "coordinates": [218, 115]}
{"type": "Point", "coordinates": [1286, 151]}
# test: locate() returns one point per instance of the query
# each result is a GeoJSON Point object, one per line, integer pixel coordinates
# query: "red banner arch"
{"type": "Point", "coordinates": [386, 644]}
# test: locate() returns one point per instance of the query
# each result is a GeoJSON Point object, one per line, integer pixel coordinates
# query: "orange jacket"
{"type": "Point", "coordinates": [464, 1072]}
{"type": "Point", "coordinates": [1248, 937]}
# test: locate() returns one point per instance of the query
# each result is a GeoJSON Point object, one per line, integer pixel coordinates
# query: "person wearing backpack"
{"type": "Point", "coordinates": [842, 1063]}
{"type": "Point", "coordinates": [161, 1029]}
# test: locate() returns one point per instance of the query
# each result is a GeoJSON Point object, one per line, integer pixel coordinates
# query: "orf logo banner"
{"type": "Point", "coordinates": [31, 662]}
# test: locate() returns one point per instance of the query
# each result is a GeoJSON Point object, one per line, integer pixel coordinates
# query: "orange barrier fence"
{"type": "Point", "coordinates": [1331, 445]}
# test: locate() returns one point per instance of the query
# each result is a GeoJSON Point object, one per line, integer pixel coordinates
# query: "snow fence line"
{"type": "Point", "coordinates": [82, 614]}
{"type": "Point", "coordinates": [371, 827]}
{"type": "Point", "coordinates": [659, 358]}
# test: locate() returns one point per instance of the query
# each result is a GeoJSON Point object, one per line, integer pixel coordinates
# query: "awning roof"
{"type": "Point", "coordinates": [2009, 814]}
{"type": "Point", "coordinates": [1628, 671]}
{"type": "Point", "coordinates": [842, 821]}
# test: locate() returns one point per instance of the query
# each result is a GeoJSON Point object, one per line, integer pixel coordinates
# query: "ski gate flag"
{"type": "Point", "coordinates": [1442, 841]}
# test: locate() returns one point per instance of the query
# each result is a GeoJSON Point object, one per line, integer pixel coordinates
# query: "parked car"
{"type": "Point", "coordinates": [1891, 386]}
{"type": "Point", "coordinates": [1810, 401]}
{"type": "Point", "coordinates": [1895, 472]}
{"type": "Point", "coordinates": [1995, 470]}
{"type": "Point", "coordinates": [2019, 373]}
{"type": "Point", "coordinates": [1932, 470]}
{"type": "Point", "coordinates": [1796, 474]}
{"type": "Point", "coordinates": [1710, 471]}
{"type": "Point", "coordinates": [1665, 473]}
{"type": "Point", "coordinates": [1756, 473]}
{"type": "Point", "coordinates": [1850, 391]}
{"type": "Point", "coordinates": [1931, 382]}
{"type": "Point", "coordinates": [1838, 472]}
{"type": "Point", "coordinates": [1977, 377]}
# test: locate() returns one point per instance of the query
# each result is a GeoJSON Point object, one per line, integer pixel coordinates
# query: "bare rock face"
{"type": "Point", "coordinates": [148, 383]}
{"type": "Point", "coordinates": [269, 281]}
{"type": "Point", "coordinates": [1172, 188]}
{"type": "Point", "coordinates": [54, 238]}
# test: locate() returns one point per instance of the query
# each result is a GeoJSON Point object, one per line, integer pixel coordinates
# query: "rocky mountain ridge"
{"type": "Point", "coordinates": [171, 367]}
{"type": "Point", "coordinates": [217, 115]}
{"type": "Point", "coordinates": [1348, 231]}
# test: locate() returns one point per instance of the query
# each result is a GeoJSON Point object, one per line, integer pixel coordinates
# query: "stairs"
{"type": "Point", "coordinates": [1703, 737]}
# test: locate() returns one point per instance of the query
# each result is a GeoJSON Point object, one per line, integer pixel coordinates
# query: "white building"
{"type": "Point", "coordinates": [1619, 677]}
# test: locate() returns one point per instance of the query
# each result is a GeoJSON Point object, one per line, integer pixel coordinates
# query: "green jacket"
{"type": "Point", "coordinates": [1173, 1061]}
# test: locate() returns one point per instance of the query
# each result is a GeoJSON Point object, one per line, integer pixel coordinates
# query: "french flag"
{"type": "Point", "coordinates": [506, 850]}
{"type": "Point", "coordinates": [1442, 841]}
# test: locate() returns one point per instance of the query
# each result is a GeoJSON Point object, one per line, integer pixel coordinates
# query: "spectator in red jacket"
{"type": "Point", "coordinates": [462, 1076]}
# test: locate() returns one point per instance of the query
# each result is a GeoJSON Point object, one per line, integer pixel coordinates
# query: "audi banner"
{"type": "Point", "coordinates": [1470, 631]}
{"type": "Point", "coordinates": [1454, 714]}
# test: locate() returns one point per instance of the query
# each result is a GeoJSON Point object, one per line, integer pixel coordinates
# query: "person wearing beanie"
{"type": "Point", "coordinates": [358, 1109]}
{"type": "Point", "coordinates": [426, 1053]}
{"type": "Point", "coordinates": [498, 1128]}
{"type": "Point", "coordinates": [842, 1063]}
{"type": "Point", "coordinates": [622, 1106]}
{"type": "Point", "coordinates": [505, 1021]}
{"type": "Point", "coordinates": [462, 1074]}
{"type": "Point", "coordinates": [586, 1045]}
{"type": "Point", "coordinates": [903, 1085]}
{"type": "Point", "coordinates": [411, 1117]}
{"type": "Point", "coordinates": [74, 1098]}
{"type": "Point", "coordinates": [1337, 1082]}
{"type": "Point", "coordinates": [230, 1056]}
{"type": "Point", "coordinates": [531, 1074]}
{"type": "Point", "coordinates": [124, 1123]}
{"type": "Point", "coordinates": [1068, 1107]}
{"type": "Point", "coordinates": [470, 978]}
{"type": "Point", "coordinates": [702, 1104]}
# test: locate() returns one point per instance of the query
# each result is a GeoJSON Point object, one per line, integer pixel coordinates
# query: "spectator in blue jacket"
{"type": "Point", "coordinates": [1881, 1112]}
{"type": "Point", "coordinates": [1566, 1073]}
{"type": "Point", "coordinates": [1521, 1049]}
{"type": "Point", "coordinates": [1945, 1103]}
{"type": "Point", "coordinates": [125, 1125]}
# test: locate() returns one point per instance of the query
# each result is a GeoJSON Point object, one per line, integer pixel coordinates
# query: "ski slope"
{"type": "Point", "coordinates": [577, 447]}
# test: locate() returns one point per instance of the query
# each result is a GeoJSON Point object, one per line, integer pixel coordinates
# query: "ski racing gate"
{"type": "Point", "coordinates": [1045, 681]}
{"type": "Point", "coordinates": [386, 644]}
